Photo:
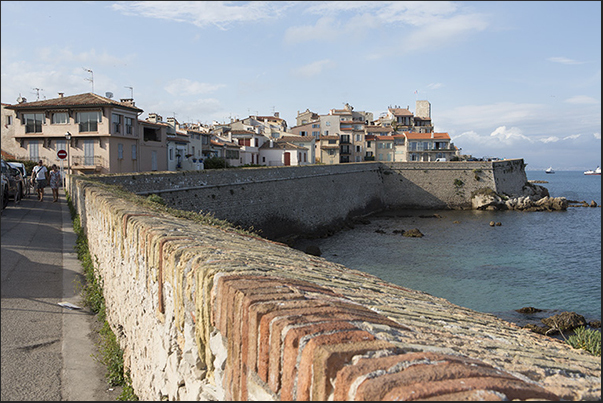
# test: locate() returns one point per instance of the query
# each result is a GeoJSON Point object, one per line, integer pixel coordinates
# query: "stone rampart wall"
{"type": "Point", "coordinates": [311, 199]}
{"type": "Point", "coordinates": [209, 314]}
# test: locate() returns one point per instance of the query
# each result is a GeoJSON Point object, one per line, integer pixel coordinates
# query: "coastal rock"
{"type": "Point", "coordinates": [536, 329]}
{"type": "Point", "coordinates": [593, 203]}
{"type": "Point", "coordinates": [313, 250]}
{"type": "Point", "coordinates": [595, 324]}
{"type": "Point", "coordinates": [523, 203]}
{"type": "Point", "coordinates": [414, 233]}
{"type": "Point", "coordinates": [564, 321]}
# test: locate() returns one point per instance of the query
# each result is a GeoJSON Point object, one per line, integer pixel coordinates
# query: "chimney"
{"type": "Point", "coordinates": [127, 101]}
{"type": "Point", "coordinates": [432, 134]}
{"type": "Point", "coordinates": [61, 94]}
{"type": "Point", "coordinates": [276, 114]}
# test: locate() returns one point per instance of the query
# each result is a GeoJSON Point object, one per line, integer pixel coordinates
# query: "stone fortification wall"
{"type": "Point", "coordinates": [311, 199]}
{"type": "Point", "coordinates": [210, 314]}
{"type": "Point", "coordinates": [279, 202]}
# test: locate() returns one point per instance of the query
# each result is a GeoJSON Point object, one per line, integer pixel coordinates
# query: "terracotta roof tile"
{"type": "Point", "coordinates": [400, 112]}
{"type": "Point", "coordinates": [81, 100]}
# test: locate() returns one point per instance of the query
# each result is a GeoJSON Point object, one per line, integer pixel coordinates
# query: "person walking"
{"type": "Point", "coordinates": [55, 182]}
{"type": "Point", "coordinates": [40, 173]}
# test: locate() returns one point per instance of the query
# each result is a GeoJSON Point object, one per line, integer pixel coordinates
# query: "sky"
{"type": "Point", "coordinates": [516, 79]}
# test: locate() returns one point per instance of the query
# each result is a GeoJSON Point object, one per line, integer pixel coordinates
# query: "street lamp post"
{"type": "Point", "coordinates": [68, 137]}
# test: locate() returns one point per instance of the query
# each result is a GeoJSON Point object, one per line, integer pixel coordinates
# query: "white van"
{"type": "Point", "coordinates": [440, 159]}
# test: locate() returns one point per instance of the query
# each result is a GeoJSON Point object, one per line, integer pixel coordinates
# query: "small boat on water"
{"type": "Point", "coordinates": [549, 170]}
{"type": "Point", "coordinates": [597, 171]}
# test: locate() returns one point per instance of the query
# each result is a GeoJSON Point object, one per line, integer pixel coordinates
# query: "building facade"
{"type": "Point", "coordinates": [100, 135]}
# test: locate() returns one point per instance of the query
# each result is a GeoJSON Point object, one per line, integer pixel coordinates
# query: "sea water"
{"type": "Point", "coordinates": [547, 260]}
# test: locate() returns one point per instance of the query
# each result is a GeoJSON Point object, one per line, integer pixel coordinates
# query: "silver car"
{"type": "Point", "coordinates": [15, 182]}
{"type": "Point", "coordinates": [25, 180]}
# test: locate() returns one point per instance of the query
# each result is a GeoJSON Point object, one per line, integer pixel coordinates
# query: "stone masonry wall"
{"type": "Point", "coordinates": [309, 199]}
{"type": "Point", "coordinates": [209, 314]}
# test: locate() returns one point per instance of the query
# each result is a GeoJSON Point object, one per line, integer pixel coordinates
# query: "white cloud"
{"type": "Point", "coordinates": [313, 69]}
{"type": "Point", "coordinates": [204, 13]}
{"type": "Point", "coordinates": [563, 60]}
{"type": "Point", "coordinates": [64, 56]}
{"type": "Point", "coordinates": [434, 86]}
{"type": "Point", "coordinates": [443, 31]}
{"type": "Point", "coordinates": [480, 117]}
{"type": "Point", "coordinates": [433, 23]}
{"type": "Point", "coordinates": [183, 86]}
{"type": "Point", "coordinates": [582, 99]}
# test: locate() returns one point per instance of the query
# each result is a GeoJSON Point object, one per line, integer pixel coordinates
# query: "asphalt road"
{"type": "Point", "coordinates": [47, 350]}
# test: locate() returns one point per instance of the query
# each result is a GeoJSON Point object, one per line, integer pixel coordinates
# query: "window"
{"type": "Point", "coordinates": [120, 151]}
{"type": "Point", "coordinates": [33, 151]}
{"type": "Point", "coordinates": [413, 146]}
{"type": "Point", "coordinates": [60, 118]}
{"type": "Point", "coordinates": [315, 134]}
{"type": "Point", "coordinates": [328, 123]}
{"type": "Point", "coordinates": [88, 152]}
{"type": "Point", "coordinates": [9, 120]}
{"type": "Point", "coordinates": [116, 120]}
{"type": "Point", "coordinates": [133, 151]}
{"type": "Point", "coordinates": [368, 144]}
{"type": "Point", "coordinates": [302, 133]}
{"type": "Point", "coordinates": [326, 132]}
{"type": "Point", "coordinates": [129, 127]}
{"type": "Point", "coordinates": [88, 121]}
{"type": "Point", "coordinates": [33, 122]}
{"type": "Point", "coordinates": [315, 126]}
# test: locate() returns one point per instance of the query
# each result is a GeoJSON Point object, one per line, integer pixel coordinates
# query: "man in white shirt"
{"type": "Point", "coordinates": [40, 174]}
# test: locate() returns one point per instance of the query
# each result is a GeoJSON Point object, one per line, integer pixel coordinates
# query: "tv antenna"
{"type": "Point", "coordinates": [131, 91]}
{"type": "Point", "coordinates": [91, 79]}
{"type": "Point", "coordinates": [37, 90]}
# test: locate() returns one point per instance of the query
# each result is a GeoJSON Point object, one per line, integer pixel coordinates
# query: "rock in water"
{"type": "Point", "coordinates": [565, 321]}
{"type": "Point", "coordinates": [313, 250]}
{"type": "Point", "coordinates": [414, 233]}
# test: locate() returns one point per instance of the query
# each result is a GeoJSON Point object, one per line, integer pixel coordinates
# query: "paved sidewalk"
{"type": "Point", "coordinates": [47, 350]}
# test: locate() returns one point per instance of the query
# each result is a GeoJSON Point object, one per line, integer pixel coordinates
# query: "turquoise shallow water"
{"type": "Point", "coordinates": [547, 260]}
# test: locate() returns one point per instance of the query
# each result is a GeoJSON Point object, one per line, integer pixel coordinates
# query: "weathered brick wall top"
{"type": "Point", "coordinates": [207, 313]}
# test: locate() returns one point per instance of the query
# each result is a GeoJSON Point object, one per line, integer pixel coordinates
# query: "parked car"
{"type": "Point", "coordinates": [25, 179]}
{"type": "Point", "coordinates": [15, 182]}
{"type": "Point", "coordinates": [441, 159]}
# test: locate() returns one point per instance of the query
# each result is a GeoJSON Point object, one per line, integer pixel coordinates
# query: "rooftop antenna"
{"type": "Point", "coordinates": [131, 91]}
{"type": "Point", "coordinates": [91, 79]}
{"type": "Point", "coordinates": [37, 90]}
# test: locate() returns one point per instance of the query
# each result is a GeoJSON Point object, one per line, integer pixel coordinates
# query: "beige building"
{"type": "Point", "coordinates": [349, 126]}
{"type": "Point", "coordinates": [100, 135]}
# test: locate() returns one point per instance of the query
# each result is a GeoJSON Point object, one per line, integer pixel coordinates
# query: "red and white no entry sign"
{"type": "Point", "coordinates": [62, 154]}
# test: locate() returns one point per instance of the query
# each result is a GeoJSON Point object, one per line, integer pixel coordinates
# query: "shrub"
{"type": "Point", "coordinates": [214, 163]}
{"type": "Point", "coordinates": [586, 339]}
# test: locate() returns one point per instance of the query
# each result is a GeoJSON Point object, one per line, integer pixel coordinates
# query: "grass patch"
{"type": "Point", "coordinates": [586, 339]}
{"type": "Point", "coordinates": [110, 353]}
